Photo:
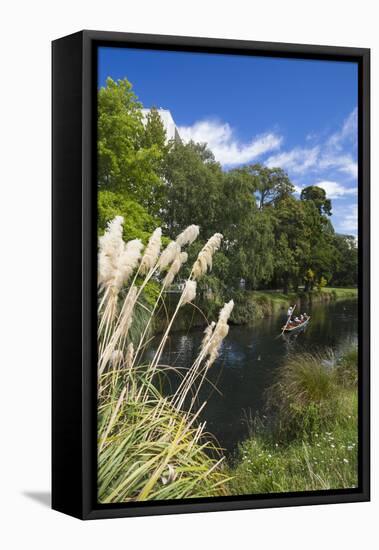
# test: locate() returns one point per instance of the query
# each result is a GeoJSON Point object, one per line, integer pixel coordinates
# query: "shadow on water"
{"type": "Point", "coordinates": [249, 359]}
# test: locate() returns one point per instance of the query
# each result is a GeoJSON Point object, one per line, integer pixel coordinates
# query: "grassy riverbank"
{"type": "Point", "coordinates": [308, 440]}
{"type": "Point", "coordinates": [341, 293]}
{"type": "Point", "coordinates": [257, 304]}
{"type": "Point", "coordinates": [251, 305]}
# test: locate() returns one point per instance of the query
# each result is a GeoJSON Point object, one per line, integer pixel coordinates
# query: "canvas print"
{"type": "Point", "coordinates": [227, 219]}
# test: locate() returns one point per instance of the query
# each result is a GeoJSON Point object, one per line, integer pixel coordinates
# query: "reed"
{"type": "Point", "coordinates": [149, 445]}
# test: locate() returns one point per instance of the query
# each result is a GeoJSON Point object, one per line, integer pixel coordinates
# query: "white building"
{"type": "Point", "coordinates": [167, 121]}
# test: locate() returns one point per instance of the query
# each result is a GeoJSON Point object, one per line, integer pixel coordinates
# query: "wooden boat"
{"type": "Point", "coordinates": [295, 328]}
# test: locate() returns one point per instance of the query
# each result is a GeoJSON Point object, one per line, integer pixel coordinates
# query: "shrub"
{"type": "Point", "coordinates": [306, 397]}
{"type": "Point", "coordinates": [347, 368]}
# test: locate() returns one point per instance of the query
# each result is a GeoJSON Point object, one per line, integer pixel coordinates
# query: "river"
{"type": "Point", "coordinates": [249, 359]}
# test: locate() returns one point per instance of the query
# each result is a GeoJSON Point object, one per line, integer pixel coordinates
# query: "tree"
{"type": "Point", "coordinates": [248, 232]}
{"type": "Point", "coordinates": [292, 242]}
{"type": "Point", "coordinates": [138, 223]}
{"type": "Point", "coordinates": [321, 259]}
{"type": "Point", "coordinates": [285, 262]}
{"type": "Point", "coordinates": [126, 161]}
{"type": "Point", "coordinates": [271, 184]}
{"type": "Point", "coordinates": [346, 265]}
{"type": "Point", "coordinates": [193, 189]}
{"type": "Point", "coordinates": [318, 196]}
{"type": "Point", "coordinates": [154, 134]}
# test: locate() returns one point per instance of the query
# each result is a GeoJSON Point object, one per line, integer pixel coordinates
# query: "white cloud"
{"type": "Point", "coordinates": [336, 152]}
{"type": "Point", "coordinates": [346, 220]}
{"type": "Point", "coordinates": [297, 160]}
{"type": "Point", "coordinates": [335, 190]}
{"type": "Point", "coordinates": [343, 163]}
{"type": "Point", "coordinates": [348, 132]}
{"type": "Point", "coordinates": [224, 145]}
{"type": "Point", "coordinates": [333, 153]}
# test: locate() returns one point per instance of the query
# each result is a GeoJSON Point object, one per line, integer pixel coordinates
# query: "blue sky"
{"type": "Point", "coordinates": [300, 115]}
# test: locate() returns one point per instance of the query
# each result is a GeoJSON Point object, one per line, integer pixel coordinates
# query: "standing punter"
{"type": "Point", "coordinates": [289, 313]}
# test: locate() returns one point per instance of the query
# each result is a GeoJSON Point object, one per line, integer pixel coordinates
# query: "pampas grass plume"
{"type": "Point", "coordinates": [220, 331]}
{"type": "Point", "coordinates": [203, 262]}
{"type": "Point", "coordinates": [168, 255]}
{"type": "Point", "coordinates": [174, 269]}
{"type": "Point", "coordinates": [151, 253]}
{"type": "Point", "coordinates": [189, 235]}
{"type": "Point", "coordinates": [127, 263]}
{"type": "Point", "coordinates": [110, 247]}
{"type": "Point", "coordinates": [189, 292]}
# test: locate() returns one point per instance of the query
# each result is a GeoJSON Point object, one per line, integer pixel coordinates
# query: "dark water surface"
{"type": "Point", "coordinates": [249, 359]}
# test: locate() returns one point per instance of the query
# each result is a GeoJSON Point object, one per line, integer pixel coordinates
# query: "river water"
{"type": "Point", "coordinates": [249, 359]}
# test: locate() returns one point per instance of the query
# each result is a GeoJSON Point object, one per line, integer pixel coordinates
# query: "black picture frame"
{"type": "Point", "coordinates": [74, 254]}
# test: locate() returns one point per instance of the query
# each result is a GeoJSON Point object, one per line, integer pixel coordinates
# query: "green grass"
{"type": "Point", "coordinates": [328, 461]}
{"type": "Point", "coordinates": [147, 448]}
{"type": "Point", "coordinates": [341, 293]}
{"type": "Point", "coordinates": [309, 439]}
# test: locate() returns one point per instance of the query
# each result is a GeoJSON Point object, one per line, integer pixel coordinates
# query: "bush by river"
{"type": "Point", "coordinates": [309, 438]}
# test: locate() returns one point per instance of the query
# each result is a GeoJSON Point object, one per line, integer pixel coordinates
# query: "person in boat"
{"type": "Point", "coordinates": [289, 314]}
{"type": "Point", "coordinates": [302, 318]}
{"type": "Point", "coordinates": [297, 321]}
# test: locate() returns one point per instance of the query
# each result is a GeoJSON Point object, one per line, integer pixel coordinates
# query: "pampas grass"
{"type": "Point", "coordinates": [180, 259]}
{"type": "Point", "coordinates": [189, 292]}
{"type": "Point", "coordinates": [110, 248]}
{"type": "Point", "coordinates": [150, 446]}
{"type": "Point", "coordinates": [152, 250]}
{"type": "Point", "coordinates": [188, 236]}
{"type": "Point", "coordinates": [205, 257]}
{"type": "Point", "coordinates": [168, 255]}
{"type": "Point", "coordinates": [220, 331]}
{"type": "Point", "coordinates": [214, 335]}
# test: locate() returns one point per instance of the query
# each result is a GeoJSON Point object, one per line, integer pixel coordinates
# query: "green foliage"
{"type": "Point", "coordinates": [346, 261]}
{"type": "Point", "coordinates": [322, 283]}
{"type": "Point", "coordinates": [151, 292]}
{"type": "Point", "coordinates": [309, 279]}
{"type": "Point", "coordinates": [292, 242]}
{"type": "Point", "coordinates": [318, 196]}
{"type": "Point", "coordinates": [247, 231]}
{"type": "Point", "coordinates": [193, 190]}
{"type": "Point", "coordinates": [128, 159]}
{"type": "Point", "coordinates": [154, 134]}
{"type": "Point", "coordinates": [271, 184]}
{"type": "Point", "coordinates": [137, 222]}
{"type": "Point", "coordinates": [248, 307]}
